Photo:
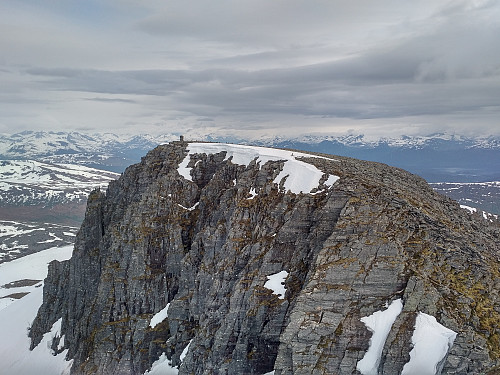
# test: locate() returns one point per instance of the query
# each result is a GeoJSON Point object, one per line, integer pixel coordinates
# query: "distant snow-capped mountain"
{"type": "Point", "coordinates": [103, 151]}
{"type": "Point", "coordinates": [29, 144]}
{"type": "Point", "coordinates": [404, 141]}
{"type": "Point", "coordinates": [37, 191]}
{"type": "Point", "coordinates": [115, 152]}
{"type": "Point", "coordinates": [437, 157]}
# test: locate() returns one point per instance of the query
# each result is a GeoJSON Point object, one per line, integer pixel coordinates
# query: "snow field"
{"type": "Point", "coordinates": [300, 176]}
{"type": "Point", "coordinates": [17, 315]}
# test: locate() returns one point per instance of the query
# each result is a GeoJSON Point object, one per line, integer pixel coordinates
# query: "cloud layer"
{"type": "Point", "coordinates": [255, 67]}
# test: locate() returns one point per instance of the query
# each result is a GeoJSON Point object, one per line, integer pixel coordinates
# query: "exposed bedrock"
{"type": "Point", "coordinates": [206, 244]}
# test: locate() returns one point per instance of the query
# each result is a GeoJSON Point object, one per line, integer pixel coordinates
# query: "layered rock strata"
{"type": "Point", "coordinates": [205, 245]}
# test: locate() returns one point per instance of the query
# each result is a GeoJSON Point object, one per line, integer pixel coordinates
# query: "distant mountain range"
{"type": "Point", "coordinates": [439, 158]}
{"type": "Point", "coordinates": [103, 151]}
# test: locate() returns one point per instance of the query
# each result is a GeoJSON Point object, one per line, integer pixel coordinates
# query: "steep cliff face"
{"type": "Point", "coordinates": [177, 260]}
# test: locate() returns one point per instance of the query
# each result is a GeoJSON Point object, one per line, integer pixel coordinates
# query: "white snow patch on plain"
{"type": "Point", "coordinates": [11, 228]}
{"type": "Point", "coordinates": [380, 323]}
{"type": "Point", "coordinates": [160, 316]}
{"type": "Point", "coordinates": [15, 318]}
{"type": "Point", "coordinates": [53, 239]}
{"type": "Point", "coordinates": [276, 283]}
{"type": "Point", "coordinates": [298, 176]}
{"type": "Point", "coordinates": [431, 342]}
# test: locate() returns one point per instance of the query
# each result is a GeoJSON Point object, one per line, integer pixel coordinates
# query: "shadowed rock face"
{"type": "Point", "coordinates": [378, 234]}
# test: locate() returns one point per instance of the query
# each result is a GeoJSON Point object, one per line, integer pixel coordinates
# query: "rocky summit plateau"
{"type": "Point", "coordinates": [221, 259]}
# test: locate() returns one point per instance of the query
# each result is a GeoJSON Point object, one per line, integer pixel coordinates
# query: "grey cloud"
{"type": "Point", "coordinates": [250, 62]}
{"type": "Point", "coordinates": [379, 84]}
{"type": "Point", "coordinates": [276, 23]}
{"type": "Point", "coordinates": [109, 82]}
{"type": "Point", "coordinates": [54, 72]}
{"type": "Point", "coordinates": [111, 100]}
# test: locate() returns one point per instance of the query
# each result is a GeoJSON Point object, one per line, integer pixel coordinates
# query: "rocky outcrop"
{"type": "Point", "coordinates": [206, 247]}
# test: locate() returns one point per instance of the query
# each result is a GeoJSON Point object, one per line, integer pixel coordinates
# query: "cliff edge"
{"type": "Point", "coordinates": [223, 259]}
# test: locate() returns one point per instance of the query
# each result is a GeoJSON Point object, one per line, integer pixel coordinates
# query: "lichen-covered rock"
{"type": "Point", "coordinates": [206, 247]}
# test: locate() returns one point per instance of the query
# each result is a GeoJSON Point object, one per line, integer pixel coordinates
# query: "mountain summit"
{"type": "Point", "coordinates": [223, 259]}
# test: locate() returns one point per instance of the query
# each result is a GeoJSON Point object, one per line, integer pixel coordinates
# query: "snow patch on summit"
{"type": "Point", "coordinates": [297, 176]}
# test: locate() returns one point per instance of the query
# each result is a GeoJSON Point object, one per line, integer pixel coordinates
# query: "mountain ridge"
{"type": "Point", "coordinates": [194, 236]}
{"type": "Point", "coordinates": [31, 144]}
{"type": "Point", "coordinates": [437, 157]}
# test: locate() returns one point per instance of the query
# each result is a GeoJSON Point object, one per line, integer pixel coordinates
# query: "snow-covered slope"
{"type": "Point", "coordinates": [21, 286]}
{"type": "Point", "coordinates": [43, 192]}
{"type": "Point", "coordinates": [32, 182]}
{"type": "Point", "coordinates": [296, 175]}
{"type": "Point", "coordinates": [104, 151]}
{"type": "Point", "coordinates": [19, 239]}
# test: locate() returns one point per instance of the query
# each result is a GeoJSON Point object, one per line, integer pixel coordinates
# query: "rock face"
{"type": "Point", "coordinates": [206, 244]}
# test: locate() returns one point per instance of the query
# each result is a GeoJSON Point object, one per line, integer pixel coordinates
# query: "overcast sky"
{"type": "Point", "coordinates": [264, 67]}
